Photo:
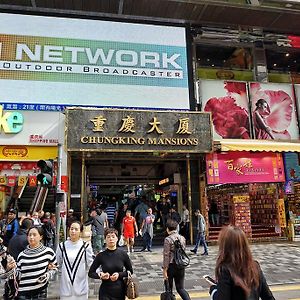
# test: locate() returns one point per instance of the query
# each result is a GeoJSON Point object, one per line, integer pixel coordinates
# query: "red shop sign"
{"type": "Point", "coordinates": [244, 167]}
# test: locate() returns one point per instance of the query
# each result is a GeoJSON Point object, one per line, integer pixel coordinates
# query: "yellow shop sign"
{"type": "Point", "coordinates": [27, 152]}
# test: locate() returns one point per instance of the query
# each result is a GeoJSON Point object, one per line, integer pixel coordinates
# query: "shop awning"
{"type": "Point", "coordinates": [256, 145]}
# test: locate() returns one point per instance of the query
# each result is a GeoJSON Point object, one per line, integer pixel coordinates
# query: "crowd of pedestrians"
{"type": "Point", "coordinates": [29, 260]}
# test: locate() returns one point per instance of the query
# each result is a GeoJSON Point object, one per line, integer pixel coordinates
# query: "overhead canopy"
{"type": "Point", "coordinates": [256, 145]}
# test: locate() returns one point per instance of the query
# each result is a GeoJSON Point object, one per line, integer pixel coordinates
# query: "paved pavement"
{"type": "Point", "coordinates": [279, 261]}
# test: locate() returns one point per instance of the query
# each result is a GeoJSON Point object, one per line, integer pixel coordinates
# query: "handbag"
{"type": "Point", "coordinates": [167, 294]}
{"type": "Point", "coordinates": [131, 287]}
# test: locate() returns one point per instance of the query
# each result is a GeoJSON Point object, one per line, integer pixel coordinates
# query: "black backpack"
{"type": "Point", "coordinates": [181, 259]}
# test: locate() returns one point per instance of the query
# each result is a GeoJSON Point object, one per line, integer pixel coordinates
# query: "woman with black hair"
{"type": "Point", "coordinates": [115, 265]}
{"type": "Point", "coordinates": [74, 257]}
{"type": "Point", "coordinates": [170, 270]}
{"type": "Point", "coordinates": [34, 267]}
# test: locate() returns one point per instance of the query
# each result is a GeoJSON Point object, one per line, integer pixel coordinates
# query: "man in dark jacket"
{"type": "Point", "coordinates": [11, 226]}
{"type": "Point", "coordinates": [19, 242]}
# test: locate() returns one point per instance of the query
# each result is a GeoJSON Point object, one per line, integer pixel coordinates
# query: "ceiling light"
{"type": "Point", "coordinates": [274, 65]}
{"type": "Point", "coordinates": [287, 54]}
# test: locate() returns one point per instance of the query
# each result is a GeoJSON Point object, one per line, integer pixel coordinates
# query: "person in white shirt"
{"type": "Point", "coordinates": [74, 257]}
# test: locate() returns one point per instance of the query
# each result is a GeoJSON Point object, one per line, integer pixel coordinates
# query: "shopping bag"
{"type": "Point", "coordinates": [121, 241]}
{"type": "Point", "coordinates": [167, 294]}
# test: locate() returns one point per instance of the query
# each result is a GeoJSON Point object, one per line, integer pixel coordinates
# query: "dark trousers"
{"type": "Point", "coordinates": [41, 295]}
{"type": "Point", "coordinates": [147, 241]}
{"type": "Point", "coordinates": [178, 275]}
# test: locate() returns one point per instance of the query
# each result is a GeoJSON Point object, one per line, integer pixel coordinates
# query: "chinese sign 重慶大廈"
{"type": "Point", "coordinates": [137, 130]}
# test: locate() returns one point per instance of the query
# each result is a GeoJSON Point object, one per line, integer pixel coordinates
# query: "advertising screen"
{"type": "Point", "coordinates": [47, 63]}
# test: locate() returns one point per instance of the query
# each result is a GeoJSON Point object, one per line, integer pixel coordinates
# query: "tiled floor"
{"type": "Point", "coordinates": [279, 261]}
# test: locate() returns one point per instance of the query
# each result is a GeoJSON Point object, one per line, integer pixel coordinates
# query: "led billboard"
{"type": "Point", "coordinates": [47, 63]}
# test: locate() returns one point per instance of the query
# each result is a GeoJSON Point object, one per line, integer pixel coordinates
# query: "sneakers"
{"type": "Point", "coordinates": [149, 250]}
{"type": "Point", "coordinates": [205, 253]}
{"type": "Point", "coordinates": [143, 249]}
{"type": "Point", "coordinates": [194, 251]}
{"type": "Point", "coordinates": [131, 249]}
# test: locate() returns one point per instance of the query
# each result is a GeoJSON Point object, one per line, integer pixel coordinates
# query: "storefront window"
{"type": "Point", "coordinates": [283, 64]}
{"type": "Point", "coordinates": [219, 62]}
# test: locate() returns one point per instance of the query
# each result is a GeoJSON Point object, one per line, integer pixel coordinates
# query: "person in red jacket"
{"type": "Point", "coordinates": [129, 230]}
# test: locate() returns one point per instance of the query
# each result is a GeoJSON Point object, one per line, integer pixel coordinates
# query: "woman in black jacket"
{"type": "Point", "coordinates": [239, 277]}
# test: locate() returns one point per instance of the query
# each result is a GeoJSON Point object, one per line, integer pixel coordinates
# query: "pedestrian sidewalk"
{"type": "Point", "coordinates": [279, 261]}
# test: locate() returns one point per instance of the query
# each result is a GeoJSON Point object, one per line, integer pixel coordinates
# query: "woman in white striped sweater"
{"type": "Point", "coordinates": [34, 267]}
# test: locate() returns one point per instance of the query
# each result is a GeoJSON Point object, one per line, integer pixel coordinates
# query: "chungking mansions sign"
{"type": "Point", "coordinates": [137, 130]}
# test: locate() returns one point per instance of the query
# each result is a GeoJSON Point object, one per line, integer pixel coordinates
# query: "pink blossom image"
{"type": "Point", "coordinates": [273, 112]}
{"type": "Point", "coordinates": [230, 113]}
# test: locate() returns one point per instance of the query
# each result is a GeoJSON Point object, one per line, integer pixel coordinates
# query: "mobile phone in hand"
{"type": "Point", "coordinates": [209, 279]}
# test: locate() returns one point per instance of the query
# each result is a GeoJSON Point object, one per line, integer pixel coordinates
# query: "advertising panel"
{"type": "Point", "coordinates": [244, 167]}
{"type": "Point", "coordinates": [291, 165]}
{"type": "Point", "coordinates": [228, 103]}
{"type": "Point", "coordinates": [47, 63]}
{"type": "Point", "coordinates": [123, 130]}
{"type": "Point", "coordinates": [31, 128]}
{"type": "Point", "coordinates": [273, 111]}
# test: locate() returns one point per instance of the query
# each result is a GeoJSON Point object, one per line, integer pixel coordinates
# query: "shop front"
{"type": "Point", "coordinates": [131, 151]}
{"type": "Point", "coordinates": [26, 138]}
{"type": "Point", "coordinates": [246, 189]}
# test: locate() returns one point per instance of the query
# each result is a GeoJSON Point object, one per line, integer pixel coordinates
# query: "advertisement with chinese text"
{"type": "Point", "coordinates": [274, 111]}
{"type": "Point", "coordinates": [244, 167]}
{"type": "Point", "coordinates": [228, 103]}
{"type": "Point", "coordinates": [91, 63]}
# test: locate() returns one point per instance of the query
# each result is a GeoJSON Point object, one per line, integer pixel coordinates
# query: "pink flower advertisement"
{"type": "Point", "coordinates": [244, 167]}
{"type": "Point", "coordinates": [228, 103]}
{"type": "Point", "coordinates": [273, 111]}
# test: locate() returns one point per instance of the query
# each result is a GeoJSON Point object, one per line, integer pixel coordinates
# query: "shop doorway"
{"type": "Point", "coordinates": [120, 179]}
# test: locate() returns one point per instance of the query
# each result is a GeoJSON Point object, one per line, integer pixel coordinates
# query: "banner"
{"type": "Point", "coordinates": [274, 111]}
{"type": "Point", "coordinates": [11, 180]}
{"type": "Point", "coordinates": [244, 167]}
{"type": "Point", "coordinates": [32, 181]}
{"type": "Point", "coordinates": [281, 213]}
{"type": "Point", "coordinates": [291, 166]}
{"type": "Point", "coordinates": [91, 63]}
{"type": "Point", "coordinates": [22, 180]}
{"type": "Point", "coordinates": [228, 103]}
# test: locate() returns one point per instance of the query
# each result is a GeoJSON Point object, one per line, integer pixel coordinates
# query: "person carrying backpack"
{"type": "Point", "coordinates": [171, 270]}
{"type": "Point", "coordinates": [200, 239]}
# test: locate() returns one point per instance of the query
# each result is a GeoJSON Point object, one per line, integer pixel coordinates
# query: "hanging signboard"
{"type": "Point", "coordinates": [244, 167]}
{"type": "Point", "coordinates": [136, 130]}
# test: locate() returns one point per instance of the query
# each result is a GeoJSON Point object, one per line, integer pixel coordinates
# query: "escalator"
{"type": "Point", "coordinates": [37, 198]}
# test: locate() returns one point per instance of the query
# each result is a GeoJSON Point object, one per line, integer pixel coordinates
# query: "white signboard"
{"type": "Point", "coordinates": [47, 63]}
{"type": "Point", "coordinates": [38, 128]}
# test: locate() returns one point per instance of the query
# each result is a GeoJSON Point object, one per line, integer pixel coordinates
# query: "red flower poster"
{"type": "Point", "coordinates": [228, 103]}
{"type": "Point", "coordinates": [273, 111]}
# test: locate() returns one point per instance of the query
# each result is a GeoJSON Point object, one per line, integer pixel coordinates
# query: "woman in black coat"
{"type": "Point", "coordinates": [239, 277]}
